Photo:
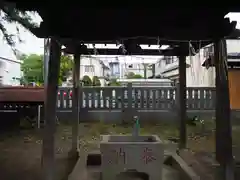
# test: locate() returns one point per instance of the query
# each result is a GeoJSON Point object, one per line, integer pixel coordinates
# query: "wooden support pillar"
{"type": "Point", "coordinates": [46, 60]}
{"type": "Point", "coordinates": [48, 159]}
{"type": "Point", "coordinates": [75, 105]}
{"type": "Point", "coordinates": [223, 119]}
{"type": "Point", "coordinates": [182, 102]}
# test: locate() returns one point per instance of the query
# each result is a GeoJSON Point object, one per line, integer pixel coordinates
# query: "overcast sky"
{"type": "Point", "coordinates": [32, 44]}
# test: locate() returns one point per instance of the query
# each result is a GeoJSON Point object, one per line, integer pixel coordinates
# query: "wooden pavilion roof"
{"type": "Point", "coordinates": [111, 24]}
{"type": "Point", "coordinates": [101, 25]}
{"type": "Point", "coordinates": [177, 25]}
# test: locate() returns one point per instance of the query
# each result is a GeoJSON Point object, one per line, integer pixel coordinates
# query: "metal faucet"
{"type": "Point", "coordinates": [136, 126]}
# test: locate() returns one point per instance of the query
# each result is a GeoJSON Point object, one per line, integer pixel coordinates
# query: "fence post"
{"type": "Point", "coordinates": [80, 97]}
{"type": "Point", "coordinates": [39, 117]}
{"type": "Point", "coordinates": [128, 112]}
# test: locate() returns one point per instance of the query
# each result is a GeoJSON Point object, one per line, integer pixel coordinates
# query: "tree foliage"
{"type": "Point", "coordinates": [32, 68]}
{"type": "Point", "coordinates": [86, 81]}
{"type": "Point", "coordinates": [96, 81]}
{"type": "Point", "coordinates": [132, 75]}
{"type": "Point", "coordinates": [66, 66]}
{"type": "Point", "coordinates": [9, 14]}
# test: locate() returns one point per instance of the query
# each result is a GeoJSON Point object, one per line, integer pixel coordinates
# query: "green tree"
{"type": "Point", "coordinates": [9, 14]}
{"type": "Point", "coordinates": [96, 81]}
{"type": "Point", "coordinates": [86, 81]}
{"type": "Point", "coordinates": [66, 66]}
{"type": "Point", "coordinates": [32, 68]}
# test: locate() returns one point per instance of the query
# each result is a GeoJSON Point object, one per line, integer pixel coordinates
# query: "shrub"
{"type": "Point", "coordinates": [96, 81]}
{"type": "Point", "coordinates": [113, 82]}
{"type": "Point", "coordinates": [86, 81]}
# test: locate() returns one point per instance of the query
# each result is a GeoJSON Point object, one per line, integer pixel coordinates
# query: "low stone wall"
{"type": "Point", "coordinates": [144, 116]}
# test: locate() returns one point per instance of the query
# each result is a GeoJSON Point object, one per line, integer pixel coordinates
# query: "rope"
{"type": "Point", "coordinates": [199, 63]}
{"type": "Point", "coordinates": [95, 53]}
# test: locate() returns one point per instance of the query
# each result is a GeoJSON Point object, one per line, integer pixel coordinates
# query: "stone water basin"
{"type": "Point", "coordinates": [127, 153]}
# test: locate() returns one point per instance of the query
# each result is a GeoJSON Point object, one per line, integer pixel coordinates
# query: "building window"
{"type": "Point", "coordinates": [211, 50]}
{"type": "Point", "coordinates": [208, 51]}
{"type": "Point", "coordinates": [1, 80]}
{"type": "Point", "coordinates": [116, 70]}
{"type": "Point", "coordinates": [89, 68]}
{"type": "Point", "coordinates": [169, 59]}
{"type": "Point", "coordinates": [205, 52]}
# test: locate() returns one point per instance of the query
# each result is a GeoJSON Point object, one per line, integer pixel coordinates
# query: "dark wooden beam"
{"type": "Point", "coordinates": [147, 52]}
{"type": "Point", "coordinates": [139, 40]}
{"type": "Point", "coordinates": [173, 50]}
{"type": "Point", "coordinates": [183, 30]}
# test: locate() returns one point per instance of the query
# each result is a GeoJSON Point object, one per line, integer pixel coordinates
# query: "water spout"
{"type": "Point", "coordinates": [136, 126]}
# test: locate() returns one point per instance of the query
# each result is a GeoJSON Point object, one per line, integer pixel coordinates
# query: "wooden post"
{"type": "Point", "coordinates": [182, 102]}
{"type": "Point", "coordinates": [75, 106]}
{"type": "Point", "coordinates": [39, 117]}
{"type": "Point", "coordinates": [46, 60]}
{"type": "Point", "coordinates": [223, 119]}
{"type": "Point", "coordinates": [129, 113]}
{"type": "Point", "coordinates": [50, 111]}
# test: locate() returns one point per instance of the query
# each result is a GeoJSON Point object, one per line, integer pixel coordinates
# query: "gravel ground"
{"type": "Point", "coordinates": [20, 152]}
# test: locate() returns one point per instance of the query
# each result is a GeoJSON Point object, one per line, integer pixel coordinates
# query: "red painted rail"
{"type": "Point", "coordinates": [23, 94]}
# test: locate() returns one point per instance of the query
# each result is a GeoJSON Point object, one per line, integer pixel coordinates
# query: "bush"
{"type": "Point", "coordinates": [96, 81]}
{"type": "Point", "coordinates": [132, 75]}
{"type": "Point", "coordinates": [137, 76]}
{"type": "Point", "coordinates": [113, 82]}
{"type": "Point", "coordinates": [86, 81]}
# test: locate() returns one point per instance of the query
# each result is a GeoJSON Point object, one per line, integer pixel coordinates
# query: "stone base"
{"type": "Point", "coordinates": [127, 155]}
